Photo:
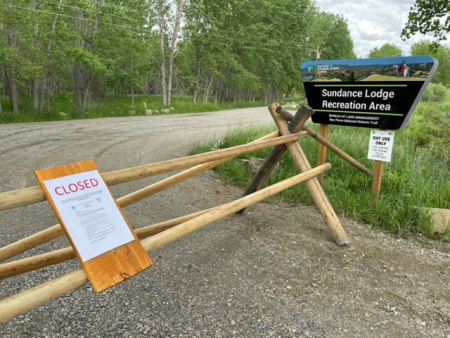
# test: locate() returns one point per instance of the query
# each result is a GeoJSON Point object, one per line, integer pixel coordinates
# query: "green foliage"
{"type": "Point", "coordinates": [428, 17]}
{"type": "Point", "coordinates": [442, 54]}
{"type": "Point", "coordinates": [417, 177]}
{"type": "Point", "coordinates": [387, 50]}
{"type": "Point", "coordinates": [435, 92]}
{"type": "Point", "coordinates": [337, 41]}
{"type": "Point", "coordinates": [227, 50]}
{"type": "Point", "coordinates": [429, 130]}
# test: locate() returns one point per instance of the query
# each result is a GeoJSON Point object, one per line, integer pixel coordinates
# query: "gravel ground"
{"type": "Point", "coordinates": [273, 271]}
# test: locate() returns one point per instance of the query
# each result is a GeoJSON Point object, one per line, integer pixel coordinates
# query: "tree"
{"type": "Point", "coordinates": [17, 49]}
{"type": "Point", "coordinates": [173, 44]}
{"type": "Point", "coordinates": [428, 17]}
{"type": "Point", "coordinates": [215, 50]}
{"type": "Point", "coordinates": [442, 54]}
{"type": "Point", "coordinates": [387, 50]}
{"type": "Point", "coordinates": [241, 50]}
{"type": "Point", "coordinates": [168, 33]}
{"type": "Point", "coordinates": [338, 43]}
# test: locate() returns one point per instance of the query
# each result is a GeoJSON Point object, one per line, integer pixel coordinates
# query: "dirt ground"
{"type": "Point", "coordinates": [273, 271]}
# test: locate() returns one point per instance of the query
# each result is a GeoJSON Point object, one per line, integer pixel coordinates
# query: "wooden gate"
{"type": "Point", "coordinates": [158, 235]}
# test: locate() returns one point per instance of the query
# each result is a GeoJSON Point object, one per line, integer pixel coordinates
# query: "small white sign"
{"type": "Point", "coordinates": [89, 213]}
{"type": "Point", "coordinates": [380, 145]}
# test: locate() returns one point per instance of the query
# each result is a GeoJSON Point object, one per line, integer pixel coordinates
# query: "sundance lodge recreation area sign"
{"type": "Point", "coordinates": [370, 93]}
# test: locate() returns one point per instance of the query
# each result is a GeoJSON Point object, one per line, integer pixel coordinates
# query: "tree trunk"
{"type": "Point", "coordinates": [96, 19]}
{"type": "Point", "coordinates": [85, 73]}
{"type": "Point", "coordinates": [49, 49]}
{"type": "Point", "coordinates": [43, 88]}
{"type": "Point", "coordinates": [76, 75]}
{"type": "Point", "coordinates": [12, 92]}
{"type": "Point", "coordinates": [12, 88]}
{"type": "Point", "coordinates": [87, 96]}
{"type": "Point", "coordinates": [218, 86]}
{"type": "Point", "coordinates": [180, 90]}
{"type": "Point", "coordinates": [2, 80]}
{"type": "Point", "coordinates": [207, 89]}
{"type": "Point", "coordinates": [172, 48]}
{"type": "Point", "coordinates": [48, 100]}
{"type": "Point", "coordinates": [34, 81]}
{"type": "Point", "coordinates": [266, 100]}
{"type": "Point", "coordinates": [35, 94]}
{"type": "Point", "coordinates": [146, 90]}
{"type": "Point", "coordinates": [199, 73]}
{"type": "Point", "coordinates": [223, 95]}
{"type": "Point", "coordinates": [161, 23]}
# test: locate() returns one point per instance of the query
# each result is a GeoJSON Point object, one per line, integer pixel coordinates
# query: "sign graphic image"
{"type": "Point", "coordinates": [370, 93]}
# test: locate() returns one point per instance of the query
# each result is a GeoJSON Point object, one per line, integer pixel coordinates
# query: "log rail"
{"type": "Point", "coordinates": [158, 235]}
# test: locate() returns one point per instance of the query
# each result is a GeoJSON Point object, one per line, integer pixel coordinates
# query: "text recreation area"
{"type": "Point", "coordinates": [371, 93]}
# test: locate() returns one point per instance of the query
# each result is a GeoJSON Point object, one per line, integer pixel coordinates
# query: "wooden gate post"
{"type": "Point", "coordinates": [322, 156]}
{"type": "Point", "coordinates": [376, 182]}
{"type": "Point", "coordinates": [313, 184]}
{"type": "Point", "coordinates": [377, 178]}
{"type": "Point", "coordinates": [300, 118]}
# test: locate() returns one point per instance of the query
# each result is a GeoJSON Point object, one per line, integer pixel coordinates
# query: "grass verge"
{"type": "Point", "coordinates": [413, 179]}
{"type": "Point", "coordinates": [111, 107]}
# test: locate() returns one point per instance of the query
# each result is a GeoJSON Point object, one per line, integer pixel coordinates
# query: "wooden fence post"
{"type": "Point", "coordinates": [377, 178]}
{"type": "Point", "coordinates": [322, 156]}
{"type": "Point", "coordinates": [376, 182]}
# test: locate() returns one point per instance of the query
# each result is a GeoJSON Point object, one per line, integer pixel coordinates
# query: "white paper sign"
{"type": "Point", "coordinates": [380, 145]}
{"type": "Point", "coordinates": [89, 213]}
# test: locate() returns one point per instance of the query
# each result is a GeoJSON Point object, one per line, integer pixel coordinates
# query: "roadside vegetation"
{"type": "Point", "coordinates": [418, 178]}
{"type": "Point", "coordinates": [63, 108]}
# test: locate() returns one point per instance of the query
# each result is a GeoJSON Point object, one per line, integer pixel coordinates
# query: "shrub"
{"type": "Point", "coordinates": [435, 92]}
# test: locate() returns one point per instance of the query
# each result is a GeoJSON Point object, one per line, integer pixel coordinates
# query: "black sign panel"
{"type": "Point", "coordinates": [370, 93]}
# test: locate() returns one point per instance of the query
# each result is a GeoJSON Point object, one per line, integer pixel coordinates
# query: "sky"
{"type": "Point", "coordinates": [372, 23]}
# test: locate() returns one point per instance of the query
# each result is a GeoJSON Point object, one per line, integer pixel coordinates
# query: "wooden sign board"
{"type": "Point", "coordinates": [370, 93]}
{"type": "Point", "coordinates": [103, 240]}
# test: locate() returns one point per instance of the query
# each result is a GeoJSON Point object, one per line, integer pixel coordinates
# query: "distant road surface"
{"type": "Point", "coordinates": [113, 143]}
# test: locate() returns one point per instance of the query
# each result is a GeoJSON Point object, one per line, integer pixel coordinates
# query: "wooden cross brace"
{"type": "Point", "coordinates": [301, 161]}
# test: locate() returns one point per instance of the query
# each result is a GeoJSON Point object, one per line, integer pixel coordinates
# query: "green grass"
{"type": "Point", "coordinates": [414, 179]}
{"type": "Point", "coordinates": [109, 107]}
